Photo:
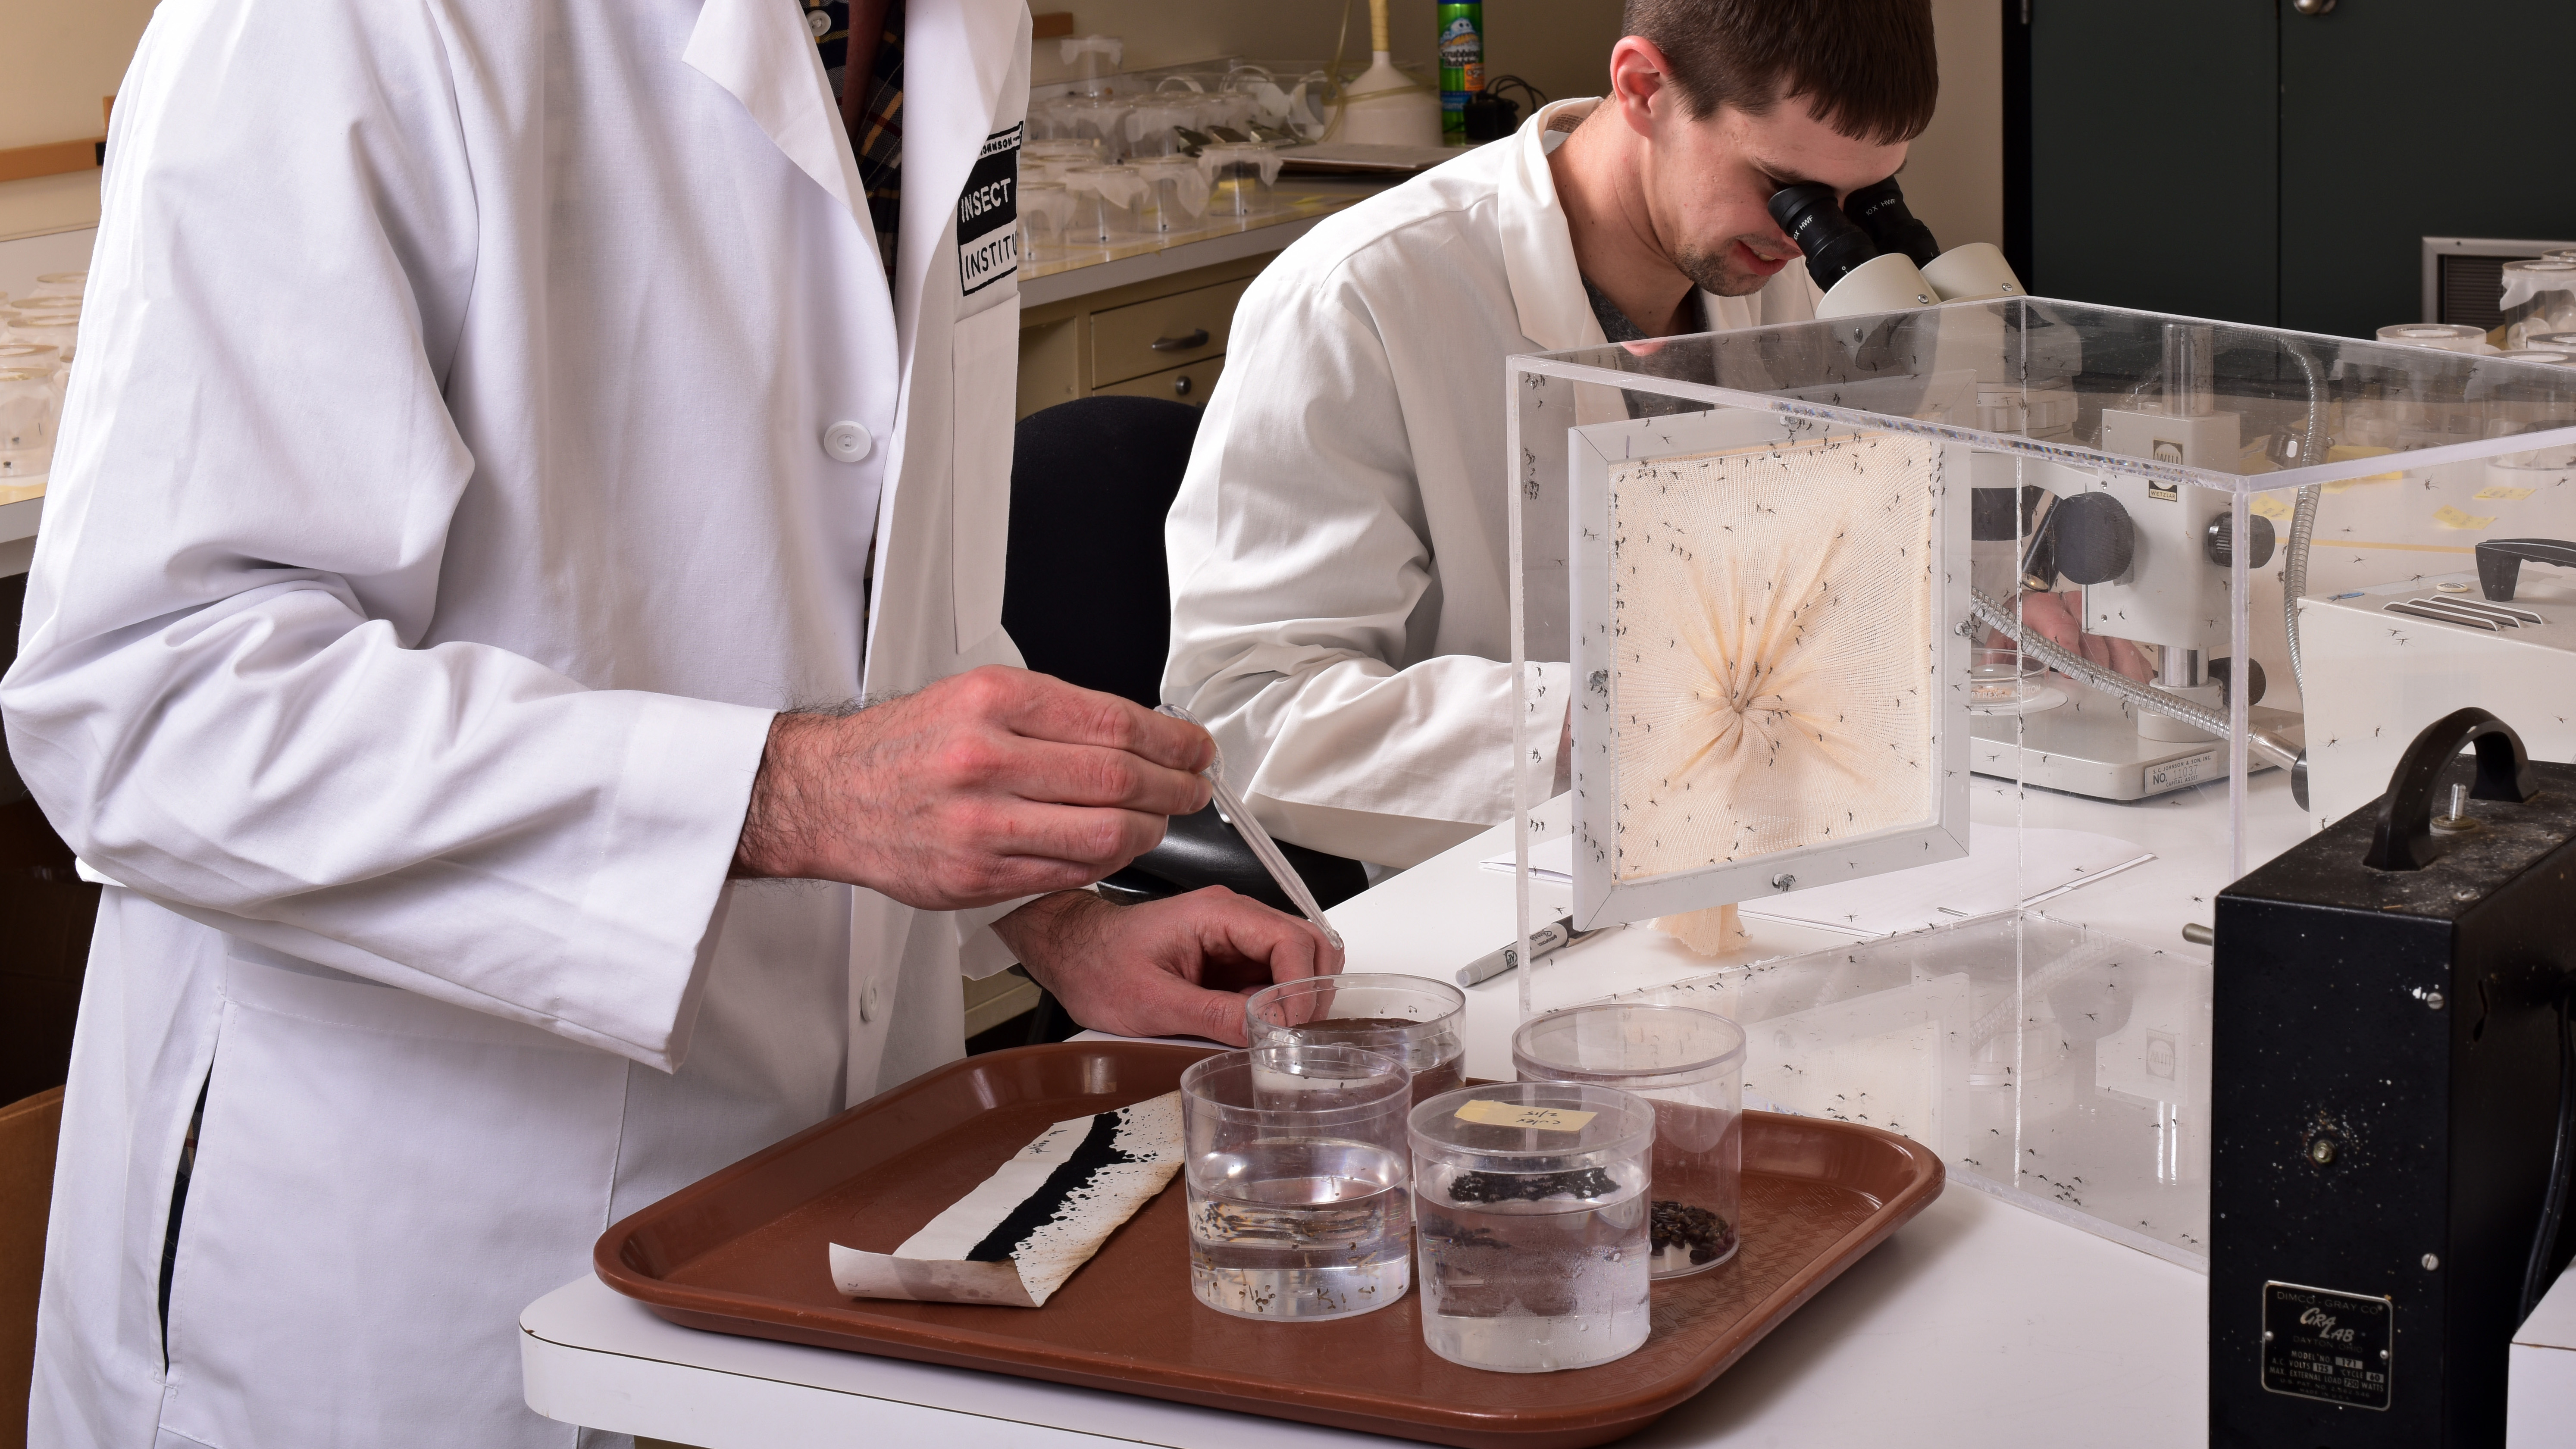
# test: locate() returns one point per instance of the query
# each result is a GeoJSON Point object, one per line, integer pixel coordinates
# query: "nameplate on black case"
{"type": "Point", "coordinates": [2329, 1346]}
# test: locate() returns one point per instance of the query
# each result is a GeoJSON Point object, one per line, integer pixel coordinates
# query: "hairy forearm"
{"type": "Point", "coordinates": [786, 820]}
{"type": "Point", "coordinates": [1054, 928]}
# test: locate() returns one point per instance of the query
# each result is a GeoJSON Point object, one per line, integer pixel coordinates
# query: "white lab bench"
{"type": "Point", "coordinates": [1977, 1323]}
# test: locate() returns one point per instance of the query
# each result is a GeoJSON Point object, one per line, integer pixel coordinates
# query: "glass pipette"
{"type": "Point", "coordinates": [1230, 806]}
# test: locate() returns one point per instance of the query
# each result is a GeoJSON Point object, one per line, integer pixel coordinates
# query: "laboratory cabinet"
{"type": "Point", "coordinates": [2278, 163]}
{"type": "Point", "coordinates": [1159, 338]}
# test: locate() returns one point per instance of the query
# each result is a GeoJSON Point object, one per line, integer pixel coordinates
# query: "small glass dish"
{"type": "Point", "coordinates": [2003, 677]}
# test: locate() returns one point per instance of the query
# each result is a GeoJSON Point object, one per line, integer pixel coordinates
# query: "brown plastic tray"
{"type": "Point", "coordinates": [744, 1252]}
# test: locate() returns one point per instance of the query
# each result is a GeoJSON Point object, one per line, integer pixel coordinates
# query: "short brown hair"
{"type": "Point", "coordinates": [1868, 65]}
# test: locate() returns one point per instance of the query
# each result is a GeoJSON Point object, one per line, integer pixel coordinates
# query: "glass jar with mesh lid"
{"type": "Point", "coordinates": [1108, 205]}
{"type": "Point", "coordinates": [1240, 176]}
{"type": "Point", "coordinates": [30, 405]}
{"type": "Point", "coordinates": [1046, 160]}
{"type": "Point", "coordinates": [1690, 1064]}
{"type": "Point", "coordinates": [1155, 124]}
{"type": "Point", "coordinates": [59, 331]}
{"type": "Point", "coordinates": [1176, 194]}
{"type": "Point", "coordinates": [1046, 210]}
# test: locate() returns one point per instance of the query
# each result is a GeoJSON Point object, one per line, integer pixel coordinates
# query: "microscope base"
{"type": "Point", "coordinates": [2090, 745]}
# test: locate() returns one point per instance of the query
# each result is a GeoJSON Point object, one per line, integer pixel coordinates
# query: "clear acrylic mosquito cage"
{"type": "Point", "coordinates": [1896, 661]}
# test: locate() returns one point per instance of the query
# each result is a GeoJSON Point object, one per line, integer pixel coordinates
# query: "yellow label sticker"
{"type": "Point", "coordinates": [2502, 494]}
{"type": "Point", "coordinates": [2450, 517]}
{"type": "Point", "coordinates": [2267, 506]}
{"type": "Point", "coordinates": [1505, 1114]}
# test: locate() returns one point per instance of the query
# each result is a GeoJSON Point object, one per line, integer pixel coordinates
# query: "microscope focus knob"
{"type": "Point", "coordinates": [2222, 672]}
{"type": "Point", "coordinates": [2096, 540]}
{"type": "Point", "coordinates": [2219, 540]}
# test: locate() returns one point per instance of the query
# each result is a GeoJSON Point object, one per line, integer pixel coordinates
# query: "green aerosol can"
{"type": "Point", "coordinates": [1462, 65]}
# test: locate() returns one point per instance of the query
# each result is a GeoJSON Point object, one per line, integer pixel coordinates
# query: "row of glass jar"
{"type": "Point", "coordinates": [1343, 1148]}
{"type": "Point", "coordinates": [1070, 199]}
{"type": "Point", "coordinates": [1184, 113]}
{"type": "Point", "coordinates": [38, 332]}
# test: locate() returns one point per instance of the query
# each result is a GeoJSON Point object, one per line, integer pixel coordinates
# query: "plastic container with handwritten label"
{"type": "Point", "coordinates": [1530, 1208]}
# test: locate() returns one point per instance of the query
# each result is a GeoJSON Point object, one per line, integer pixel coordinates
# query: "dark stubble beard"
{"type": "Point", "coordinates": [1716, 270]}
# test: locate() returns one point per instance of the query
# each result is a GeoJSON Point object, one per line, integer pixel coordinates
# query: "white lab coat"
{"type": "Point", "coordinates": [1341, 594]}
{"type": "Point", "coordinates": [442, 512]}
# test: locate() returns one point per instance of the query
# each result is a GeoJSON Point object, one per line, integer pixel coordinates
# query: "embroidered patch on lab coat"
{"type": "Point", "coordinates": [988, 215]}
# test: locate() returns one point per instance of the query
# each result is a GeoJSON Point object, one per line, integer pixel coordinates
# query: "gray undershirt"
{"type": "Point", "coordinates": [1617, 328]}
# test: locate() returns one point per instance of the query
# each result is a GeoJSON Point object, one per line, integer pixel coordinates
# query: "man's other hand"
{"type": "Point", "coordinates": [988, 785]}
{"type": "Point", "coordinates": [2058, 618]}
{"type": "Point", "coordinates": [1176, 967]}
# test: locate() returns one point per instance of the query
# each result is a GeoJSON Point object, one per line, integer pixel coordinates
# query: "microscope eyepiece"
{"type": "Point", "coordinates": [1834, 245]}
{"type": "Point", "coordinates": [1879, 210]}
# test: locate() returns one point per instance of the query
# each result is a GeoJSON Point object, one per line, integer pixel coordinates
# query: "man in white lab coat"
{"type": "Point", "coordinates": [488, 410]}
{"type": "Point", "coordinates": [1340, 581]}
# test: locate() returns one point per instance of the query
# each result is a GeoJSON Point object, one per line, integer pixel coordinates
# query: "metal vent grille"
{"type": "Point", "coordinates": [2464, 276]}
{"type": "Point", "coordinates": [2469, 289]}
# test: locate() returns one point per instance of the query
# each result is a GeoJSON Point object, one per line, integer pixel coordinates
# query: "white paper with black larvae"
{"type": "Point", "coordinates": [1016, 1238]}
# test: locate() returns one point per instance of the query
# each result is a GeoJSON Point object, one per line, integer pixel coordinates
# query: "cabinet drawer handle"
{"type": "Point", "coordinates": [1197, 338]}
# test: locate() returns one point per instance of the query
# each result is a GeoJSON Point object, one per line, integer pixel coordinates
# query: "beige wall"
{"type": "Point", "coordinates": [1954, 177]}
{"type": "Point", "coordinates": [63, 55]}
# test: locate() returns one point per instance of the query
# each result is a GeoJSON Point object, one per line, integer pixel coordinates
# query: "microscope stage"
{"type": "Point", "coordinates": [2090, 745]}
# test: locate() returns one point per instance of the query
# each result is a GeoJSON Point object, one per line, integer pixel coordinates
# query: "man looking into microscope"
{"type": "Point", "coordinates": [1338, 551]}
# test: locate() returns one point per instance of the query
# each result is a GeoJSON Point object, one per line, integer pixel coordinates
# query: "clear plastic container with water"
{"type": "Point", "coordinates": [1420, 1022]}
{"type": "Point", "coordinates": [1531, 1202]}
{"type": "Point", "coordinates": [1298, 1190]}
{"type": "Point", "coordinates": [1690, 1064]}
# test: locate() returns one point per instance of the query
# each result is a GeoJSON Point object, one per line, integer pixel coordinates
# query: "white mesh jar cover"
{"type": "Point", "coordinates": [1774, 684]}
{"type": "Point", "coordinates": [1177, 181]}
{"type": "Point", "coordinates": [1118, 185]}
{"type": "Point", "coordinates": [1047, 205]}
{"type": "Point", "coordinates": [2526, 280]}
{"type": "Point", "coordinates": [1214, 159]}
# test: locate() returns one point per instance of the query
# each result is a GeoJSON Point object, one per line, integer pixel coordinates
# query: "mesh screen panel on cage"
{"type": "Point", "coordinates": [1763, 631]}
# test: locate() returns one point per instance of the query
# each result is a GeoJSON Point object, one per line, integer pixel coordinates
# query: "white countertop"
{"type": "Point", "coordinates": [1978, 1323]}
{"type": "Point", "coordinates": [1055, 281]}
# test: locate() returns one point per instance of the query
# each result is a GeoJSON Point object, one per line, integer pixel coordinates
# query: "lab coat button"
{"type": "Point", "coordinates": [848, 442]}
{"type": "Point", "coordinates": [869, 1001]}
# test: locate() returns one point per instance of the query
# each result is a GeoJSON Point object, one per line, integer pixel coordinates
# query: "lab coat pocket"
{"type": "Point", "coordinates": [984, 382]}
{"type": "Point", "coordinates": [382, 1181]}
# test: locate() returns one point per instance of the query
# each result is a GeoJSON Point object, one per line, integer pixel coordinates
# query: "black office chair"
{"type": "Point", "coordinates": [1088, 600]}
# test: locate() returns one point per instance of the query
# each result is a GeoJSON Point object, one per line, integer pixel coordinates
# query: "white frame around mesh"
{"type": "Point", "coordinates": [1600, 452]}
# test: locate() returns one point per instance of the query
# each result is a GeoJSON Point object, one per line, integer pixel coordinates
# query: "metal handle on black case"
{"type": "Point", "coordinates": [2500, 562]}
{"type": "Point", "coordinates": [2405, 837]}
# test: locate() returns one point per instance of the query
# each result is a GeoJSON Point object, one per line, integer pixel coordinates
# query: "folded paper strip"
{"type": "Point", "coordinates": [1019, 1235]}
